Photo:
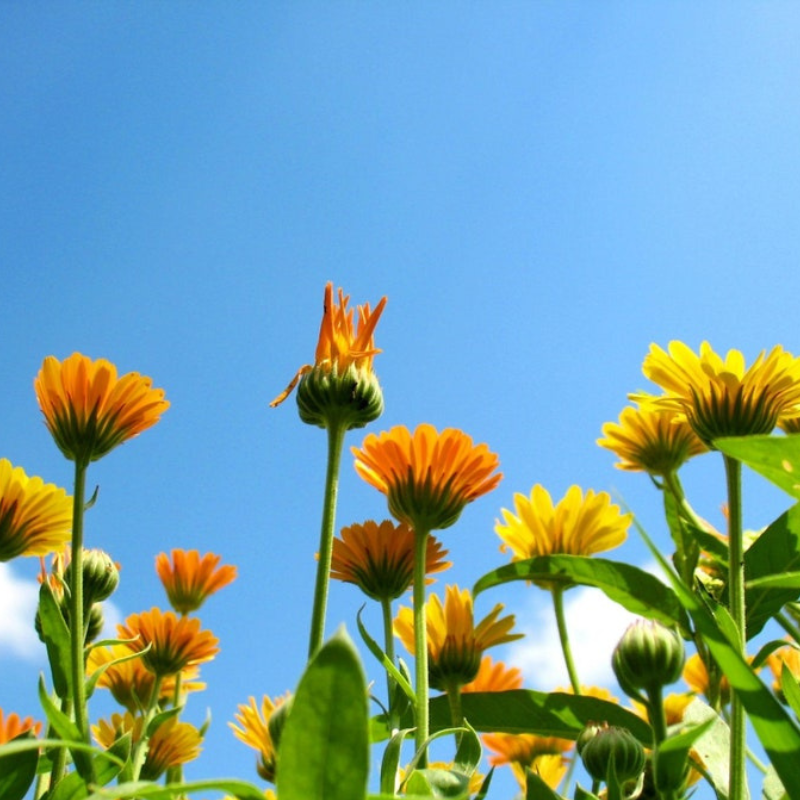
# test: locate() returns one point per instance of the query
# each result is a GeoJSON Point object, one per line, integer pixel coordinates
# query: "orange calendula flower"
{"type": "Point", "coordinates": [544, 755]}
{"type": "Point", "coordinates": [696, 676]}
{"type": "Point", "coordinates": [427, 477]}
{"type": "Point", "coordinates": [789, 657]}
{"type": "Point", "coordinates": [578, 525]}
{"type": "Point", "coordinates": [35, 517]}
{"type": "Point", "coordinates": [722, 397]}
{"type": "Point", "coordinates": [254, 732]}
{"type": "Point", "coordinates": [455, 644]}
{"type": "Point", "coordinates": [494, 677]}
{"type": "Point", "coordinates": [189, 578]}
{"type": "Point", "coordinates": [340, 385]}
{"type": "Point", "coordinates": [650, 439]}
{"type": "Point", "coordinates": [89, 410]}
{"type": "Point", "coordinates": [175, 642]}
{"type": "Point", "coordinates": [379, 558]}
{"type": "Point", "coordinates": [12, 725]}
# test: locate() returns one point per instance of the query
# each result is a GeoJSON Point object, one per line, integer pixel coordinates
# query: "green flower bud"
{"type": "Point", "coordinates": [648, 657]}
{"type": "Point", "coordinates": [100, 576]}
{"type": "Point", "coordinates": [325, 397]}
{"type": "Point", "coordinates": [600, 745]}
{"type": "Point", "coordinates": [94, 622]}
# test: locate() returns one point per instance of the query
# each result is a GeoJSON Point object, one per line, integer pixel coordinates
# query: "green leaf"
{"type": "Point", "coordinates": [391, 761]}
{"type": "Point", "coordinates": [439, 783]}
{"type": "Point", "coordinates": [772, 788]}
{"type": "Point", "coordinates": [789, 580]}
{"type": "Point", "coordinates": [634, 589]}
{"type": "Point", "coordinates": [777, 732]}
{"type": "Point", "coordinates": [147, 790]}
{"type": "Point", "coordinates": [777, 458]}
{"type": "Point", "coordinates": [375, 649]}
{"type": "Point", "coordinates": [790, 689]}
{"type": "Point", "coordinates": [18, 770]}
{"type": "Point", "coordinates": [526, 711]}
{"type": "Point", "coordinates": [537, 789]}
{"type": "Point", "coordinates": [324, 749]}
{"type": "Point", "coordinates": [66, 729]}
{"type": "Point", "coordinates": [469, 752]}
{"type": "Point", "coordinates": [56, 639]}
{"type": "Point", "coordinates": [672, 756]}
{"type": "Point", "coordinates": [713, 745]}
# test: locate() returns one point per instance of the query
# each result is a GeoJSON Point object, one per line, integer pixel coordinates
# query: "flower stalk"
{"type": "Point", "coordinates": [421, 646]}
{"type": "Point", "coordinates": [557, 593]}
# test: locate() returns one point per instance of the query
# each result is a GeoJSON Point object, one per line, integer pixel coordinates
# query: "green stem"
{"type": "Point", "coordinates": [175, 774]}
{"type": "Point", "coordinates": [421, 645]}
{"type": "Point", "coordinates": [388, 646]}
{"type": "Point", "coordinates": [139, 753]}
{"type": "Point", "coordinates": [658, 722]}
{"type": "Point", "coordinates": [76, 625]}
{"type": "Point", "coordinates": [454, 701]}
{"type": "Point", "coordinates": [563, 635]}
{"type": "Point", "coordinates": [738, 763]}
{"type": "Point", "coordinates": [336, 431]}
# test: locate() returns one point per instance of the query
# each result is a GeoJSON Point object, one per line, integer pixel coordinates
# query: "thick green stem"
{"type": "Point", "coordinates": [388, 646]}
{"type": "Point", "coordinates": [738, 774]}
{"type": "Point", "coordinates": [336, 431]}
{"type": "Point", "coordinates": [658, 722]}
{"type": "Point", "coordinates": [421, 645]}
{"type": "Point", "coordinates": [76, 625]}
{"type": "Point", "coordinates": [563, 635]}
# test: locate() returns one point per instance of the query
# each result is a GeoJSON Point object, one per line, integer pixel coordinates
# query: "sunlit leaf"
{"type": "Point", "coordinates": [56, 639]}
{"type": "Point", "coordinates": [777, 458]}
{"type": "Point", "coordinates": [18, 770]}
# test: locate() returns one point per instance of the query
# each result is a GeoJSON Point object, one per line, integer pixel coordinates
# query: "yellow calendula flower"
{"type": "Point", "coordinates": [172, 744]}
{"type": "Point", "coordinates": [12, 725]}
{"type": "Point", "coordinates": [340, 385]}
{"type": "Point", "coordinates": [494, 677]}
{"type": "Point", "coordinates": [723, 397]}
{"type": "Point", "coordinates": [175, 642]}
{"type": "Point", "coordinates": [544, 755]}
{"type": "Point", "coordinates": [379, 558]}
{"type": "Point", "coordinates": [189, 578]}
{"type": "Point", "coordinates": [697, 679]}
{"type": "Point", "coordinates": [455, 643]}
{"type": "Point", "coordinates": [578, 525]}
{"type": "Point", "coordinates": [649, 439]}
{"type": "Point", "coordinates": [788, 656]}
{"type": "Point", "coordinates": [89, 410]}
{"type": "Point", "coordinates": [35, 517]}
{"type": "Point", "coordinates": [254, 732]}
{"type": "Point", "coordinates": [428, 477]}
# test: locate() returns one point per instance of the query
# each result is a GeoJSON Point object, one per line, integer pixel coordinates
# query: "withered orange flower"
{"type": "Point", "coordinates": [89, 410]}
{"type": "Point", "coordinates": [189, 578]}
{"type": "Point", "coordinates": [428, 477]}
{"type": "Point", "coordinates": [175, 642]}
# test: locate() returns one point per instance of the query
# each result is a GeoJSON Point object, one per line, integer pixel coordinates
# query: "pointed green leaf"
{"type": "Point", "coordinates": [634, 589]}
{"type": "Point", "coordinates": [537, 789]}
{"type": "Point", "coordinates": [546, 714]}
{"type": "Point", "coordinates": [777, 458]}
{"type": "Point", "coordinates": [18, 770]}
{"type": "Point", "coordinates": [324, 749]}
{"type": "Point", "coordinates": [147, 790]}
{"type": "Point", "coordinates": [391, 761]}
{"type": "Point", "coordinates": [713, 746]}
{"type": "Point", "coordinates": [375, 649]}
{"type": "Point", "coordinates": [790, 689]}
{"type": "Point", "coordinates": [56, 639]}
{"type": "Point", "coordinates": [672, 755]}
{"type": "Point", "coordinates": [469, 752]}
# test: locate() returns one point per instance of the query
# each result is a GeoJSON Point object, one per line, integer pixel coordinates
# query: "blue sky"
{"type": "Point", "coordinates": [541, 190]}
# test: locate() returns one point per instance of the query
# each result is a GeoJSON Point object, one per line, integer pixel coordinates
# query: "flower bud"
{"type": "Point", "coordinates": [648, 657]}
{"type": "Point", "coordinates": [600, 745]}
{"type": "Point", "coordinates": [94, 622]}
{"type": "Point", "coordinates": [325, 397]}
{"type": "Point", "coordinates": [100, 576]}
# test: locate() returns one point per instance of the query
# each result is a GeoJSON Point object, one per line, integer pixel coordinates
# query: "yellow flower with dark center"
{"type": "Point", "coordinates": [12, 725]}
{"type": "Point", "coordinates": [427, 477]}
{"type": "Point", "coordinates": [254, 732]}
{"type": "Point", "coordinates": [190, 579]}
{"type": "Point", "coordinates": [789, 424]}
{"type": "Point", "coordinates": [455, 644]}
{"type": "Point", "coordinates": [175, 642]}
{"type": "Point", "coordinates": [722, 397]}
{"type": "Point", "coordinates": [130, 682]}
{"type": "Point", "coordinates": [35, 517]}
{"type": "Point", "coordinates": [494, 677]}
{"type": "Point", "coordinates": [107, 732]}
{"type": "Point", "coordinates": [340, 385]}
{"type": "Point", "coordinates": [578, 525]}
{"type": "Point", "coordinates": [649, 439]}
{"type": "Point", "coordinates": [379, 558]}
{"type": "Point", "coordinates": [173, 743]}
{"type": "Point", "coordinates": [89, 410]}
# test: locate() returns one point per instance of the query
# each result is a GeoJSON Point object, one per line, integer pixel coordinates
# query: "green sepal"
{"type": "Point", "coordinates": [56, 639]}
{"type": "Point", "coordinates": [18, 769]}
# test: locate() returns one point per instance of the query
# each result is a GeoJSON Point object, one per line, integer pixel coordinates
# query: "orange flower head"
{"type": "Point", "coordinates": [89, 410]}
{"type": "Point", "coordinates": [11, 726]}
{"type": "Point", "coordinates": [788, 656]}
{"type": "Point", "coordinates": [697, 678]}
{"type": "Point", "coordinates": [340, 385]}
{"type": "Point", "coordinates": [379, 558]}
{"type": "Point", "coordinates": [35, 517]}
{"type": "Point", "coordinates": [254, 732]}
{"type": "Point", "coordinates": [427, 477]}
{"type": "Point", "coordinates": [455, 643]}
{"type": "Point", "coordinates": [649, 439]}
{"type": "Point", "coordinates": [173, 743]}
{"type": "Point", "coordinates": [544, 755]}
{"type": "Point", "coordinates": [494, 677]}
{"type": "Point", "coordinates": [190, 579]}
{"type": "Point", "coordinates": [174, 642]}
{"type": "Point", "coordinates": [723, 397]}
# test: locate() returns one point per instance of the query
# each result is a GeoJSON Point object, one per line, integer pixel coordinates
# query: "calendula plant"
{"type": "Point", "coordinates": [691, 667]}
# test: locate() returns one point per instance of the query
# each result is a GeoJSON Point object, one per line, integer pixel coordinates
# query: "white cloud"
{"type": "Point", "coordinates": [595, 625]}
{"type": "Point", "coordinates": [18, 601]}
